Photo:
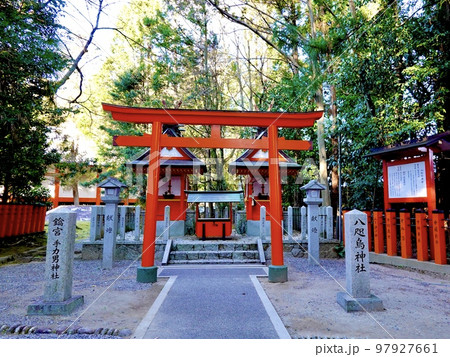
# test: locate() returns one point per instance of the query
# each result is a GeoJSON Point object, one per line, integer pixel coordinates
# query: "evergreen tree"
{"type": "Point", "coordinates": [29, 63]}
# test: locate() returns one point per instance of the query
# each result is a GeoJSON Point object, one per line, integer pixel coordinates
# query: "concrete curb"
{"type": "Point", "coordinates": [148, 318]}
{"type": "Point", "coordinates": [274, 317]}
{"type": "Point", "coordinates": [408, 263]}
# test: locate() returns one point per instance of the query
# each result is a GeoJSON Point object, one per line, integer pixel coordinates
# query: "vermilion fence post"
{"type": "Point", "coordinates": [18, 226]}
{"type": "Point", "coordinates": [11, 220]}
{"type": "Point", "coordinates": [28, 225]}
{"type": "Point", "coordinates": [405, 234]}
{"type": "Point", "coordinates": [378, 233]}
{"type": "Point", "coordinates": [440, 254]}
{"type": "Point", "coordinates": [369, 229]}
{"type": "Point", "coordinates": [421, 236]}
{"type": "Point", "coordinates": [2, 220]}
{"type": "Point", "coordinates": [35, 223]}
{"type": "Point", "coordinates": [23, 218]}
{"type": "Point", "coordinates": [43, 211]}
{"type": "Point", "coordinates": [391, 232]}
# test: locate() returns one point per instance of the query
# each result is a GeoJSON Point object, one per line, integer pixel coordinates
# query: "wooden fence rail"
{"type": "Point", "coordinates": [16, 220]}
{"type": "Point", "coordinates": [400, 233]}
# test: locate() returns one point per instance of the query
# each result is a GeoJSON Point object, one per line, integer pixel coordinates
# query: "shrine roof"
{"type": "Point", "coordinates": [249, 160]}
{"type": "Point", "coordinates": [214, 196]}
{"type": "Point", "coordinates": [188, 160]}
{"type": "Point", "coordinates": [411, 148]}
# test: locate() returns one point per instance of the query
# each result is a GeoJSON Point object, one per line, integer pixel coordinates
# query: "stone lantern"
{"type": "Point", "coordinates": [112, 188]}
{"type": "Point", "coordinates": [313, 200]}
{"type": "Point", "coordinates": [313, 189]}
{"type": "Point", "coordinates": [111, 198]}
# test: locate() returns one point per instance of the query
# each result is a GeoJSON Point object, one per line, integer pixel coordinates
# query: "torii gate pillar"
{"type": "Point", "coordinates": [277, 270]}
{"type": "Point", "coordinates": [148, 272]}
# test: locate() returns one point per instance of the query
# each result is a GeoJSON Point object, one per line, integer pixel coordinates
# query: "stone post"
{"type": "Point", "coordinates": [111, 199]}
{"type": "Point", "coordinates": [303, 225]}
{"type": "Point", "coordinates": [262, 222]}
{"type": "Point", "coordinates": [93, 226]}
{"type": "Point", "coordinates": [137, 223]}
{"type": "Point", "coordinates": [290, 222]}
{"type": "Point", "coordinates": [329, 222]}
{"type": "Point", "coordinates": [313, 200]}
{"type": "Point", "coordinates": [109, 239]}
{"type": "Point", "coordinates": [357, 273]}
{"type": "Point", "coordinates": [166, 233]}
{"type": "Point", "coordinates": [122, 221]}
{"type": "Point", "coordinates": [100, 224]}
{"type": "Point", "coordinates": [58, 298]}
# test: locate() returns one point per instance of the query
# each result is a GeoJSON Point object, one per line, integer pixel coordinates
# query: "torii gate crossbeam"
{"type": "Point", "coordinates": [156, 141]}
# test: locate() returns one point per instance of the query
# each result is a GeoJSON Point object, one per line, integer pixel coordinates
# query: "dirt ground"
{"type": "Point", "coordinates": [112, 298]}
{"type": "Point", "coordinates": [417, 304]}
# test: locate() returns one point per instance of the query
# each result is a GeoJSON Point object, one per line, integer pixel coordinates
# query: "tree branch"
{"type": "Point", "coordinates": [239, 21]}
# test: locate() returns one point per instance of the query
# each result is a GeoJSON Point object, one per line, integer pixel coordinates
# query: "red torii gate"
{"type": "Point", "coordinates": [272, 120]}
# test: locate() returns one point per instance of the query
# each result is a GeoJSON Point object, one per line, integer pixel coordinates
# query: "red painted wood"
{"type": "Point", "coordinates": [391, 233]}
{"type": "Point", "coordinates": [369, 229]}
{"type": "Point", "coordinates": [212, 142]}
{"type": "Point", "coordinates": [440, 252]}
{"type": "Point", "coordinates": [378, 232]}
{"type": "Point", "coordinates": [276, 212]}
{"type": "Point", "coordinates": [20, 221]}
{"type": "Point", "coordinates": [405, 234]}
{"type": "Point", "coordinates": [3, 209]}
{"type": "Point", "coordinates": [213, 227]}
{"type": "Point", "coordinates": [421, 236]}
{"type": "Point", "coordinates": [12, 220]}
{"type": "Point", "coordinates": [43, 212]}
{"type": "Point", "coordinates": [208, 117]}
{"type": "Point", "coordinates": [151, 205]}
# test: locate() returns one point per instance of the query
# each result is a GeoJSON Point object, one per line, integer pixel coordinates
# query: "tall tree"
{"type": "Point", "coordinates": [29, 64]}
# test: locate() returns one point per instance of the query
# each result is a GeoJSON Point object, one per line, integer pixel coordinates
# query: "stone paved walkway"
{"type": "Point", "coordinates": [217, 302]}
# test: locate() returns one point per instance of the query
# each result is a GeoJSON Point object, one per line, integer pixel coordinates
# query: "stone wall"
{"type": "Point", "coordinates": [124, 250]}
{"type": "Point", "coordinates": [132, 250]}
{"type": "Point", "coordinates": [299, 249]}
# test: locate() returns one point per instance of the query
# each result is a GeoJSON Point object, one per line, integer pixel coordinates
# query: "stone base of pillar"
{"type": "Point", "coordinates": [278, 273]}
{"type": "Point", "coordinates": [350, 304]}
{"type": "Point", "coordinates": [147, 274]}
{"type": "Point", "coordinates": [56, 307]}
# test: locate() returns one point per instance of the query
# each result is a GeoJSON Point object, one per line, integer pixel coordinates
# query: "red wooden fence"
{"type": "Point", "coordinates": [16, 220]}
{"type": "Point", "coordinates": [410, 236]}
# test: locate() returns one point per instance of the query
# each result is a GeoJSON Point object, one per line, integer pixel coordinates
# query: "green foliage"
{"type": "Point", "coordinates": [29, 63]}
{"type": "Point", "coordinates": [390, 88]}
{"type": "Point", "coordinates": [34, 195]}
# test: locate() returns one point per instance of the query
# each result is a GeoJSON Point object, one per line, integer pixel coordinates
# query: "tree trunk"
{"type": "Point", "coordinates": [323, 172]}
{"type": "Point", "coordinates": [334, 146]}
{"type": "Point", "coordinates": [76, 195]}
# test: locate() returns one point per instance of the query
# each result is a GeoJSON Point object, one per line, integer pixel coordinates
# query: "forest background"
{"type": "Point", "coordinates": [379, 70]}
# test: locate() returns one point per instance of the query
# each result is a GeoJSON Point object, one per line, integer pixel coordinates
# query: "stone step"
{"type": "Point", "coordinates": [218, 254]}
{"type": "Point", "coordinates": [216, 261]}
{"type": "Point", "coordinates": [202, 246]}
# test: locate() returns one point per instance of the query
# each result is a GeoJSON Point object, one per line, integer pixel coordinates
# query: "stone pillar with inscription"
{"type": "Point", "coordinates": [57, 299]}
{"type": "Point", "coordinates": [303, 225]}
{"type": "Point", "coordinates": [290, 223]}
{"type": "Point", "coordinates": [137, 223]}
{"type": "Point", "coordinates": [166, 233]}
{"type": "Point", "coordinates": [357, 296]}
{"type": "Point", "coordinates": [262, 222]}
{"type": "Point", "coordinates": [313, 200]}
